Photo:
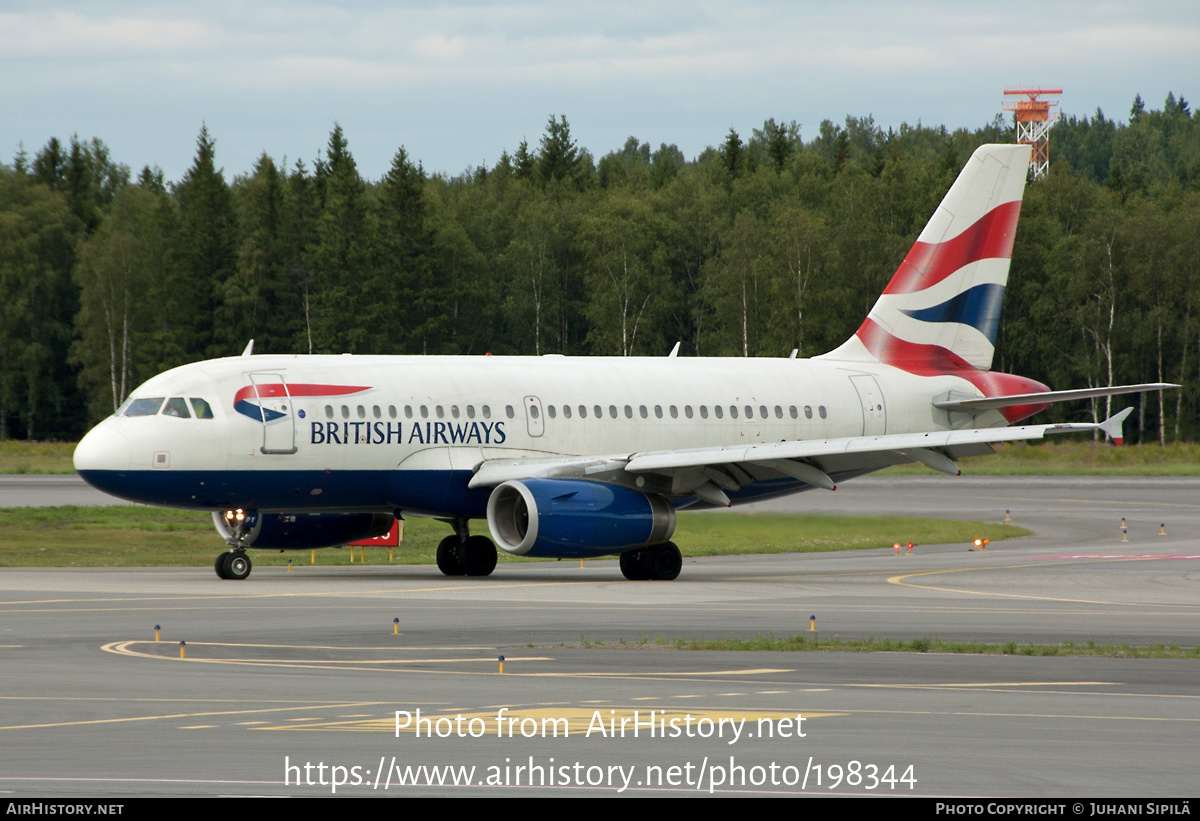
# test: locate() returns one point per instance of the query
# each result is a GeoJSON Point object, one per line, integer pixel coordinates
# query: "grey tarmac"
{"type": "Point", "coordinates": [294, 675]}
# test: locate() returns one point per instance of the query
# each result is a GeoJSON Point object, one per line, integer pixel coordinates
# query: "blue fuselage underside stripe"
{"type": "Point", "coordinates": [431, 491]}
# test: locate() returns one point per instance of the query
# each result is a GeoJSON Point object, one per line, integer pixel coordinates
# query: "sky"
{"type": "Point", "coordinates": [457, 83]}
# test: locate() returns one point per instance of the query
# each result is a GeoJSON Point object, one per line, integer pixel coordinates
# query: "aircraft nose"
{"type": "Point", "coordinates": [103, 449]}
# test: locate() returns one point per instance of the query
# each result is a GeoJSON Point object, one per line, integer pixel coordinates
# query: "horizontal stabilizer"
{"type": "Point", "coordinates": [1112, 426]}
{"type": "Point", "coordinates": [991, 402]}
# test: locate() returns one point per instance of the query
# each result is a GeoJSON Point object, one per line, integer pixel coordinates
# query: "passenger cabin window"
{"type": "Point", "coordinates": [329, 411]}
{"type": "Point", "coordinates": [549, 410]}
{"type": "Point", "coordinates": [144, 407]}
{"type": "Point", "coordinates": [509, 412]}
{"type": "Point", "coordinates": [176, 407]}
{"type": "Point", "coordinates": [202, 408]}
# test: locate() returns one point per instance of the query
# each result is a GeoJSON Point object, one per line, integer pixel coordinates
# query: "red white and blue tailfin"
{"type": "Point", "coordinates": [940, 312]}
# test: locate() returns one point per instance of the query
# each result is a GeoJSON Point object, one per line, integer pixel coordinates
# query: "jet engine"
{"type": "Point", "coordinates": [298, 531]}
{"type": "Point", "coordinates": [570, 518]}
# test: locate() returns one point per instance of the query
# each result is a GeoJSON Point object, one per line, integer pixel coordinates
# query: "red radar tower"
{"type": "Point", "coordinates": [1033, 125]}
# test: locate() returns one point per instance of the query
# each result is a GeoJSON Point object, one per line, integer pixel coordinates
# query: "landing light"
{"type": "Point", "coordinates": [231, 515]}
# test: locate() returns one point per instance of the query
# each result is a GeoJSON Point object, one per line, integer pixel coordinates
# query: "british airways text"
{"type": "Point", "coordinates": [393, 433]}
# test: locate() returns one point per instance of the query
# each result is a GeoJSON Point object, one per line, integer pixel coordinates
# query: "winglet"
{"type": "Point", "coordinates": [249, 348]}
{"type": "Point", "coordinates": [1112, 426]}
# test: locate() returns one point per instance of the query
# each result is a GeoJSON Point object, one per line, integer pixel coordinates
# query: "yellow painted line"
{"type": "Point", "coordinates": [388, 593]}
{"type": "Point", "coordinates": [547, 720]}
{"type": "Point", "coordinates": [901, 581]}
{"type": "Point", "coordinates": [123, 648]}
{"type": "Point", "coordinates": [177, 716]}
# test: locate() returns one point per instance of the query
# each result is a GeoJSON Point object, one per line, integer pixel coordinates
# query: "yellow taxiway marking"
{"type": "Point", "coordinates": [902, 581]}
{"type": "Point", "coordinates": [177, 716]}
{"type": "Point", "coordinates": [124, 648]}
{"type": "Point", "coordinates": [550, 722]}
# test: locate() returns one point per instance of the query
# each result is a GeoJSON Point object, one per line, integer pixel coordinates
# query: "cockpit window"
{"type": "Point", "coordinates": [176, 407]}
{"type": "Point", "coordinates": [202, 408]}
{"type": "Point", "coordinates": [144, 407]}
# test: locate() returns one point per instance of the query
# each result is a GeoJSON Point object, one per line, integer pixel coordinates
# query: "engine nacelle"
{"type": "Point", "coordinates": [573, 518]}
{"type": "Point", "coordinates": [299, 531]}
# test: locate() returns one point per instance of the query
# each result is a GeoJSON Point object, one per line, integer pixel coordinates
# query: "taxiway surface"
{"type": "Point", "coordinates": [298, 676]}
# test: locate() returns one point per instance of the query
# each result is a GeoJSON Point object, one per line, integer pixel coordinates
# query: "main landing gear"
{"type": "Point", "coordinates": [660, 562]}
{"type": "Point", "coordinates": [465, 555]}
{"type": "Point", "coordinates": [234, 564]}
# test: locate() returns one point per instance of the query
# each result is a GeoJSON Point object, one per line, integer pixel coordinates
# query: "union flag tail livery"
{"type": "Point", "coordinates": [584, 457]}
{"type": "Point", "coordinates": [941, 310]}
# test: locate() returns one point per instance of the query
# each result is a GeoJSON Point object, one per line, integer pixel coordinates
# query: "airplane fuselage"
{"type": "Point", "coordinates": [405, 434]}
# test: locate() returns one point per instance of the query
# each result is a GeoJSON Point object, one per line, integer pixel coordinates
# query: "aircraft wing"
{"type": "Point", "coordinates": [708, 472]}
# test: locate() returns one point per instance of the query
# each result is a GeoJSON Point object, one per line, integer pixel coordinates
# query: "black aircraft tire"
{"type": "Point", "coordinates": [237, 565]}
{"type": "Point", "coordinates": [664, 561]}
{"type": "Point", "coordinates": [633, 565]}
{"type": "Point", "coordinates": [448, 559]}
{"type": "Point", "coordinates": [478, 556]}
{"type": "Point", "coordinates": [219, 565]}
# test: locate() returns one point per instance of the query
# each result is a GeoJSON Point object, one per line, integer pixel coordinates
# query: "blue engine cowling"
{"type": "Point", "coordinates": [574, 518]}
{"type": "Point", "coordinates": [303, 531]}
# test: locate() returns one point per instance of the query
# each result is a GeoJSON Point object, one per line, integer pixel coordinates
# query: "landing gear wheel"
{"type": "Point", "coordinates": [219, 565]}
{"type": "Point", "coordinates": [664, 561]}
{"type": "Point", "coordinates": [477, 556]}
{"type": "Point", "coordinates": [236, 565]}
{"type": "Point", "coordinates": [633, 565]}
{"type": "Point", "coordinates": [448, 557]}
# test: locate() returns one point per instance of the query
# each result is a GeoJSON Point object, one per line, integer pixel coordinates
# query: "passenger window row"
{"type": "Point", "coordinates": [485, 411]}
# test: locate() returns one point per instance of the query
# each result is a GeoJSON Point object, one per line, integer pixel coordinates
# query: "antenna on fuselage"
{"type": "Point", "coordinates": [249, 348]}
{"type": "Point", "coordinates": [674, 352]}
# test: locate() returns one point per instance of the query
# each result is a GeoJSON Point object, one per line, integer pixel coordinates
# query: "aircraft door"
{"type": "Point", "coordinates": [278, 415]}
{"type": "Point", "coordinates": [874, 411]}
{"type": "Point", "coordinates": [534, 420]}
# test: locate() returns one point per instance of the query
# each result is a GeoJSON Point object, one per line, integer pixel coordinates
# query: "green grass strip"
{"type": "Point", "coordinates": [137, 536]}
{"type": "Point", "coordinates": [812, 642]}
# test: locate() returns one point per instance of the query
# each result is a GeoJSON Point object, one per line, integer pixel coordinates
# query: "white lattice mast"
{"type": "Point", "coordinates": [1033, 125]}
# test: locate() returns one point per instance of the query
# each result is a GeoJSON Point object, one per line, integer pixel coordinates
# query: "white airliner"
{"type": "Point", "coordinates": [579, 457]}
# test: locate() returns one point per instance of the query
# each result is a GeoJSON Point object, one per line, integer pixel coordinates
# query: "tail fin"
{"type": "Point", "coordinates": [940, 312]}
